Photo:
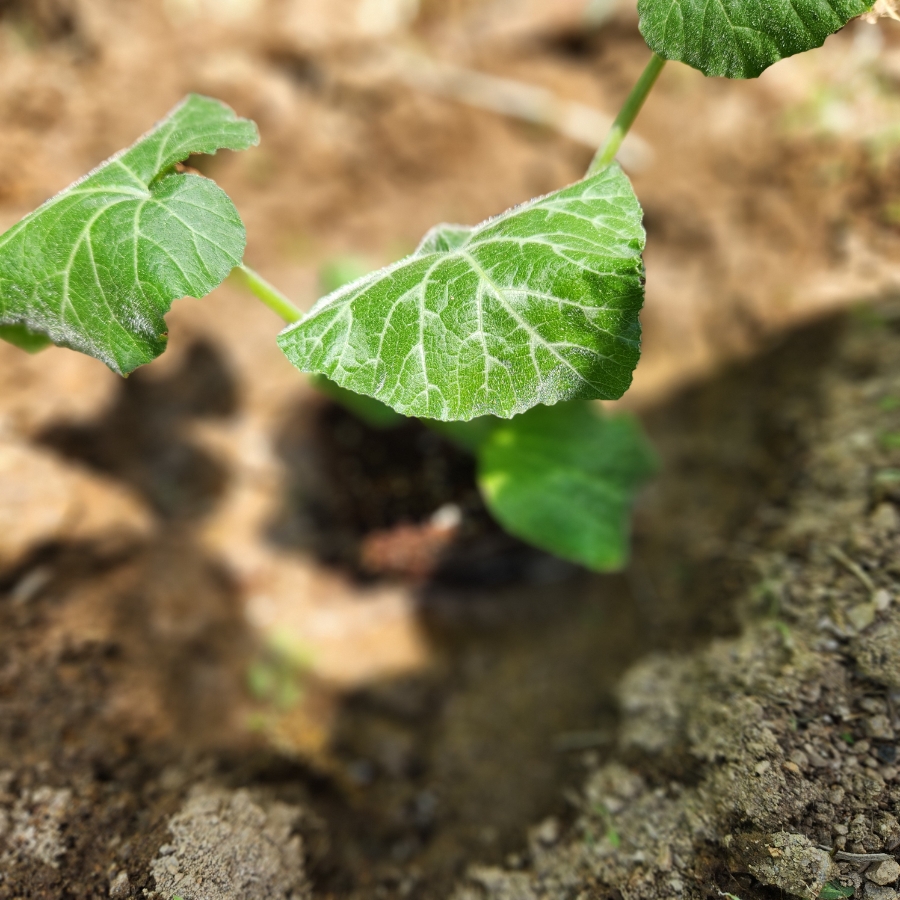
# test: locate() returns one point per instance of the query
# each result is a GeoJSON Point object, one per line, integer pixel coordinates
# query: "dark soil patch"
{"type": "Point", "coordinates": [371, 500]}
{"type": "Point", "coordinates": [141, 439]}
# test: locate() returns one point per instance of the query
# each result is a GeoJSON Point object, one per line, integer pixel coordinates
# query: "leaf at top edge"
{"type": "Point", "coordinates": [537, 305]}
{"type": "Point", "coordinates": [97, 267]}
{"type": "Point", "coordinates": [564, 478]}
{"type": "Point", "coordinates": [741, 38]}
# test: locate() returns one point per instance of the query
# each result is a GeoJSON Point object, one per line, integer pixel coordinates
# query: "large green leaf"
{"type": "Point", "coordinates": [97, 267]}
{"type": "Point", "coordinates": [535, 306]}
{"type": "Point", "coordinates": [741, 38]}
{"type": "Point", "coordinates": [564, 478]}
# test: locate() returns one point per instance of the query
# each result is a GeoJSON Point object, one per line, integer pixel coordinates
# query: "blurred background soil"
{"type": "Point", "coordinates": [222, 595]}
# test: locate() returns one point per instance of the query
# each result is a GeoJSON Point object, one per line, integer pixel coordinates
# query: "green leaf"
{"type": "Point", "coordinates": [97, 267]}
{"type": "Point", "coordinates": [835, 891]}
{"type": "Point", "coordinates": [741, 38]}
{"type": "Point", "coordinates": [22, 337]}
{"type": "Point", "coordinates": [564, 478]}
{"type": "Point", "coordinates": [538, 305]}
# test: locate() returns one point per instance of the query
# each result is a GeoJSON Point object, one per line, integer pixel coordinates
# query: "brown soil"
{"type": "Point", "coordinates": [150, 711]}
{"type": "Point", "coordinates": [766, 764]}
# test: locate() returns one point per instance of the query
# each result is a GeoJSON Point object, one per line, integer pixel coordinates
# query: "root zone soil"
{"type": "Point", "coordinates": [108, 664]}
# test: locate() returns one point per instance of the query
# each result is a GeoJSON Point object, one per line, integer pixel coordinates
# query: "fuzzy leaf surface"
{"type": "Point", "coordinates": [535, 306]}
{"type": "Point", "coordinates": [741, 38]}
{"type": "Point", "coordinates": [564, 478]}
{"type": "Point", "coordinates": [97, 267]}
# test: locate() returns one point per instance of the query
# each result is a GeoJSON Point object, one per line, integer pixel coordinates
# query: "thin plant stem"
{"type": "Point", "coordinates": [629, 112]}
{"type": "Point", "coordinates": [270, 295]}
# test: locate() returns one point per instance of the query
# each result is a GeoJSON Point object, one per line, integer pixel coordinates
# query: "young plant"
{"type": "Point", "coordinates": [497, 334]}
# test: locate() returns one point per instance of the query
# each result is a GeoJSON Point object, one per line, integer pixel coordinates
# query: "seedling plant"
{"type": "Point", "coordinates": [499, 335]}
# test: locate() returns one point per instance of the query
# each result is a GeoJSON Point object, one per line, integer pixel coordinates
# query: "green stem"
{"type": "Point", "coordinates": [629, 112]}
{"type": "Point", "coordinates": [270, 295]}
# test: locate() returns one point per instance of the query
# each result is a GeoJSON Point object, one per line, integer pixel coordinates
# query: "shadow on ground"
{"type": "Point", "coordinates": [122, 679]}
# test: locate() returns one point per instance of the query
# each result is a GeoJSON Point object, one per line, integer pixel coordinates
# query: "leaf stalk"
{"type": "Point", "coordinates": [269, 294]}
{"type": "Point", "coordinates": [629, 112]}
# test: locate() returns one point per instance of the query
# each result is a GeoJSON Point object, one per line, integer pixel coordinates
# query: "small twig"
{"type": "Point", "coordinates": [862, 859]}
{"type": "Point", "coordinates": [839, 556]}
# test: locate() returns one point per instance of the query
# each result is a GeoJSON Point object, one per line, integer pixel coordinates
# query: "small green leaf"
{"type": "Point", "coordinates": [97, 267]}
{"type": "Point", "coordinates": [564, 478]}
{"type": "Point", "coordinates": [741, 38]}
{"type": "Point", "coordinates": [538, 305]}
{"type": "Point", "coordinates": [835, 891]}
{"type": "Point", "coordinates": [22, 337]}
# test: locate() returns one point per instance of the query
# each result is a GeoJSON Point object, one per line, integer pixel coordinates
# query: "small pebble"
{"type": "Point", "coordinates": [817, 760]}
{"type": "Point", "coordinates": [882, 599]}
{"type": "Point", "coordinates": [885, 517]}
{"type": "Point", "coordinates": [664, 860]}
{"type": "Point", "coordinates": [887, 753]}
{"type": "Point", "coordinates": [120, 886]}
{"type": "Point", "coordinates": [878, 892]}
{"type": "Point", "coordinates": [862, 616]}
{"type": "Point", "coordinates": [884, 873]}
{"type": "Point", "coordinates": [548, 832]}
{"type": "Point", "coordinates": [879, 727]}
